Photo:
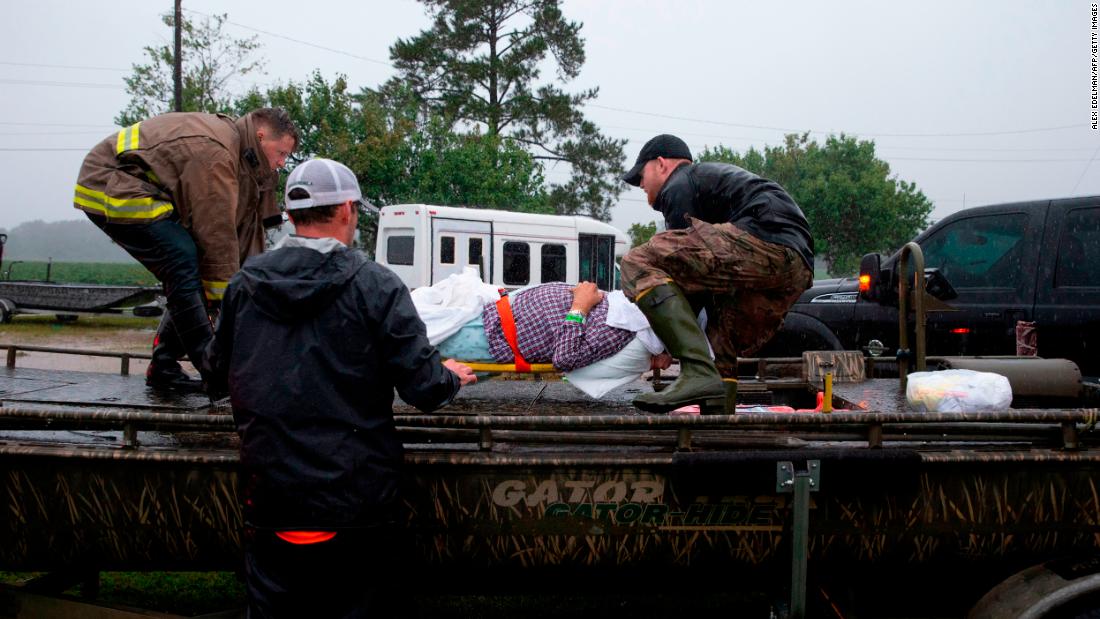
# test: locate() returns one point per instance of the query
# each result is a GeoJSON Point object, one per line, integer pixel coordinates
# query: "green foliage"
{"type": "Point", "coordinates": [852, 203]}
{"type": "Point", "coordinates": [470, 169]}
{"type": "Point", "coordinates": [210, 60]}
{"type": "Point", "coordinates": [480, 64]}
{"type": "Point", "coordinates": [641, 233]}
{"type": "Point", "coordinates": [112, 273]}
{"type": "Point", "coordinates": [400, 157]}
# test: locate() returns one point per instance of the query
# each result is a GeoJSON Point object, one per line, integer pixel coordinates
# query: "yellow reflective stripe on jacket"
{"type": "Point", "coordinates": [127, 139]}
{"type": "Point", "coordinates": [120, 208]}
{"type": "Point", "coordinates": [214, 290]}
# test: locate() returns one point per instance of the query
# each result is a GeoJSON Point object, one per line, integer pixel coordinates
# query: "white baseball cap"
{"type": "Point", "coordinates": [326, 182]}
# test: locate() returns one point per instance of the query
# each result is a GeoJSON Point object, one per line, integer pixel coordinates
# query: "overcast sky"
{"type": "Point", "coordinates": [975, 102]}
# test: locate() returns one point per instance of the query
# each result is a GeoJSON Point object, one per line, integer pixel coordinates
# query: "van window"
{"type": "Point", "coordinates": [517, 263]}
{"type": "Point", "coordinates": [475, 251]}
{"type": "Point", "coordinates": [553, 263]}
{"type": "Point", "coordinates": [1079, 249]}
{"type": "Point", "coordinates": [605, 262]}
{"type": "Point", "coordinates": [446, 250]}
{"type": "Point", "coordinates": [597, 259]}
{"type": "Point", "coordinates": [399, 250]}
{"type": "Point", "coordinates": [979, 252]}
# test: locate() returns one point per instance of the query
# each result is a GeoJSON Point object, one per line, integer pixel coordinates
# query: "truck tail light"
{"type": "Point", "coordinates": [960, 331]}
{"type": "Point", "coordinates": [870, 270]}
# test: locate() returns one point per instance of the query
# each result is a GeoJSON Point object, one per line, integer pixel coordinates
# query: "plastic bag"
{"type": "Point", "coordinates": [617, 370]}
{"type": "Point", "coordinates": [958, 391]}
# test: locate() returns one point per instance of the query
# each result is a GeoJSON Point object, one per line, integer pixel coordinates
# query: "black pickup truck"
{"type": "Point", "coordinates": [1028, 261]}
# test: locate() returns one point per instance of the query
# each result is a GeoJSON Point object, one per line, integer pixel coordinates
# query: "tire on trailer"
{"type": "Point", "coordinates": [800, 332]}
{"type": "Point", "coordinates": [1063, 588]}
{"type": "Point", "coordinates": [7, 310]}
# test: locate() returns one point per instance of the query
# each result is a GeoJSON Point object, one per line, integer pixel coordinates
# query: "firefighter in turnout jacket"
{"type": "Point", "coordinates": [187, 195]}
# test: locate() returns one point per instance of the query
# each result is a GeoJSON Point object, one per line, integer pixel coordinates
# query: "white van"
{"type": "Point", "coordinates": [424, 244]}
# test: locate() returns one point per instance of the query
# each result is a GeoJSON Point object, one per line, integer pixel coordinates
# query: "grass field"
{"type": "Point", "coordinates": [179, 593]}
{"type": "Point", "coordinates": [200, 593]}
{"type": "Point", "coordinates": [116, 273]}
{"type": "Point", "coordinates": [40, 324]}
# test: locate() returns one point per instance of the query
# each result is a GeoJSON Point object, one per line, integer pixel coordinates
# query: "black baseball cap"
{"type": "Point", "coordinates": [664, 145]}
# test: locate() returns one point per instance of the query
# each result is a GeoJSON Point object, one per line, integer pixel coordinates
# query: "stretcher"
{"type": "Point", "coordinates": [508, 367]}
{"type": "Point", "coordinates": [520, 366]}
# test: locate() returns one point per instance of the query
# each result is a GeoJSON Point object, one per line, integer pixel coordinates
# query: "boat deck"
{"type": "Point", "coordinates": [534, 421]}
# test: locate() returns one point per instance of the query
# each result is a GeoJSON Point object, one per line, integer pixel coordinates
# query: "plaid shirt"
{"type": "Point", "coordinates": [543, 335]}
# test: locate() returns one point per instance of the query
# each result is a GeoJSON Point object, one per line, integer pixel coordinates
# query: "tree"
{"type": "Point", "coordinates": [852, 203]}
{"type": "Point", "coordinates": [397, 157]}
{"type": "Point", "coordinates": [210, 60]}
{"type": "Point", "coordinates": [641, 233]}
{"type": "Point", "coordinates": [470, 169]}
{"type": "Point", "coordinates": [480, 64]}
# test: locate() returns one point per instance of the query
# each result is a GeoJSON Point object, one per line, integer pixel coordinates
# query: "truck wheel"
{"type": "Point", "coordinates": [1063, 589]}
{"type": "Point", "coordinates": [799, 334]}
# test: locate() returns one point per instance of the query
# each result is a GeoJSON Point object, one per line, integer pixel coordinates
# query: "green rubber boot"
{"type": "Point", "coordinates": [673, 321]}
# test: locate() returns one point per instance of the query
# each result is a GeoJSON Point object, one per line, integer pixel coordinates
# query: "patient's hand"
{"type": "Point", "coordinates": [586, 296]}
{"type": "Point", "coordinates": [466, 376]}
{"type": "Point", "coordinates": [660, 362]}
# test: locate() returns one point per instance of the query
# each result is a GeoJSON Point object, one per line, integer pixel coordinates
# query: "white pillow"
{"type": "Point", "coordinates": [619, 369]}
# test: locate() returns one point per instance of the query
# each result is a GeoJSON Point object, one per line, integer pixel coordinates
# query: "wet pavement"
{"type": "Point", "coordinates": [30, 385]}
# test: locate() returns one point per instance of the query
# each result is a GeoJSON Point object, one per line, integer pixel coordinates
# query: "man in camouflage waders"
{"type": "Point", "coordinates": [736, 244]}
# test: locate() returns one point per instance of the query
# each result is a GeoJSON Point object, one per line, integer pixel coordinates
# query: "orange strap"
{"type": "Point", "coordinates": [508, 326]}
{"type": "Point", "coordinates": [305, 537]}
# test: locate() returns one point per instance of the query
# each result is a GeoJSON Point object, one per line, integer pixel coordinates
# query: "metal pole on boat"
{"type": "Point", "coordinates": [801, 484]}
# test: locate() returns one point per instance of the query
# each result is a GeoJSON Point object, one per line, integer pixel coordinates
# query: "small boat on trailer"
{"type": "Point", "coordinates": [69, 301]}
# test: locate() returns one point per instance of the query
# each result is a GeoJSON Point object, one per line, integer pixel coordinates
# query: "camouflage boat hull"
{"type": "Point", "coordinates": [659, 513]}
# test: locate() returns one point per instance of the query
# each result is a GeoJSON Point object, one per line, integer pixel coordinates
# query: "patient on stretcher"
{"type": "Point", "coordinates": [599, 339]}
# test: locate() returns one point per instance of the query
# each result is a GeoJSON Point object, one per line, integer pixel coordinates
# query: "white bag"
{"type": "Point", "coordinates": [619, 369]}
{"type": "Point", "coordinates": [958, 391]}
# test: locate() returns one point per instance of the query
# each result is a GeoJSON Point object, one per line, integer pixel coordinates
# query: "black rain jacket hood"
{"type": "Point", "coordinates": [302, 285]}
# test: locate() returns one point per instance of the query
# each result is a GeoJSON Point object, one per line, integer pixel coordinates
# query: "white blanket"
{"type": "Point", "coordinates": [447, 305]}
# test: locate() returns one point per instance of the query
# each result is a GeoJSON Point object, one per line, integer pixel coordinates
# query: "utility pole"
{"type": "Point", "coordinates": [177, 68]}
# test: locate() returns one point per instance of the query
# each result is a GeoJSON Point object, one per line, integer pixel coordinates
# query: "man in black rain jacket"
{"type": "Point", "coordinates": [314, 338]}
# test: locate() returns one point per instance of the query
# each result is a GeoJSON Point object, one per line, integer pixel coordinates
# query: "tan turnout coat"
{"type": "Point", "coordinates": [207, 169]}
